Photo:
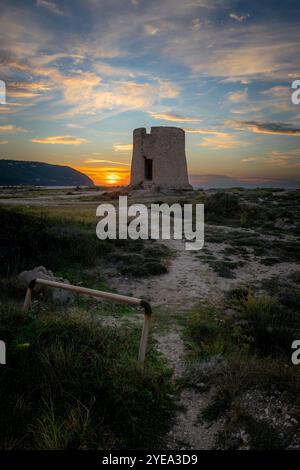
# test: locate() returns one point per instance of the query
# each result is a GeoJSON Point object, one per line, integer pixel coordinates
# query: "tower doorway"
{"type": "Point", "coordinates": [148, 169]}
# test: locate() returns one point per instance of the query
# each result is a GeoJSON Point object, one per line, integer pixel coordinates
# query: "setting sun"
{"type": "Point", "coordinates": [108, 176]}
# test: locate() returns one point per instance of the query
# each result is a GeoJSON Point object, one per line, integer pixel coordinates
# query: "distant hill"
{"type": "Point", "coordinates": [15, 172]}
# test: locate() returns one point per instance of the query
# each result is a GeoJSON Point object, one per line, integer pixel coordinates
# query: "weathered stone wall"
{"type": "Point", "coordinates": [165, 146]}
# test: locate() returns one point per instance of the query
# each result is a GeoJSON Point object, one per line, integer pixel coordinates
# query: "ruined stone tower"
{"type": "Point", "coordinates": [158, 159]}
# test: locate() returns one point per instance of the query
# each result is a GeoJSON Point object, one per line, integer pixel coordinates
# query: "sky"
{"type": "Point", "coordinates": [80, 75]}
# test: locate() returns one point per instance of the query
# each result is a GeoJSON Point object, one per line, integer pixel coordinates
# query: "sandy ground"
{"type": "Point", "coordinates": [191, 280]}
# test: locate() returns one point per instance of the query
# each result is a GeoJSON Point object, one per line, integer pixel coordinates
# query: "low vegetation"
{"type": "Point", "coordinates": [245, 350]}
{"type": "Point", "coordinates": [72, 380]}
{"type": "Point", "coordinates": [71, 383]}
{"type": "Point", "coordinates": [59, 241]}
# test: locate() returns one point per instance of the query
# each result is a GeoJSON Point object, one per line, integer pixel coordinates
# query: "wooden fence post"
{"type": "Point", "coordinates": [103, 295]}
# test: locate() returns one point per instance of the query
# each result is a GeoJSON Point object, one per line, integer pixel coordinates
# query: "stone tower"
{"type": "Point", "coordinates": [158, 159]}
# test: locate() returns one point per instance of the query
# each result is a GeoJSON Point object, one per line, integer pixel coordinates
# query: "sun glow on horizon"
{"type": "Point", "coordinates": [104, 175]}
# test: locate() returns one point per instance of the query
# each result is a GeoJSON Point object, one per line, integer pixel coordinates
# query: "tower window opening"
{"type": "Point", "coordinates": [148, 169]}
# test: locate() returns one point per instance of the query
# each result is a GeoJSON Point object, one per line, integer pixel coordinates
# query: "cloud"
{"type": "Point", "coordinates": [115, 71]}
{"type": "Point", "coordinates": [257, 51]}
{"type": "Point", "coordinates": [151, 30]}
{"type": "Point", "coordinates": [249, 159]}
{"type": "Point", "coordinates": [3, 142]}
{"type": "Point", "coordinates": [287, 158]}
{"type": "Point", "coordinates": [196, 24]}
{"type": "Point", "coordinates": [221, 142]}
{"type": "Point", "coordinates": [204, 131]}
{"type": "Point", "coordinates": [278, 91]}
{"type": "Point", "coordinates": [95, 160]}
{"type": "Point", "coordinates": [291, 153]}
{"type": "Point", "coordinates": [122, 147]}
{"type": "Point", "coordinates": [259, 127]}
{"type": "Point", "coordinates": [173, 117]}
{"type": "Point", "coordinates": [61, 140]}
{"type": "Point", "coordinates": [87, 93]}
{"type": "Point", "coordinates": [167, 89]}
{"type": "Point", "coordinates": [74, 126]}
{"type": "Point", "coordinates": [50, 6]}
{"type": "Point", "coordinates": [236, 97]}
{"type": "Point", "coordinates": [27, 89]}
{"type": "Point", "coordinates": [10, 128]}
{"type": "Point", "coordinates": [239, 18]}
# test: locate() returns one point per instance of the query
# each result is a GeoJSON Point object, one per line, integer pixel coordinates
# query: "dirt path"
{"type": "Point", "coordinates": [189, 281]}
{"type": "Point", "coordinates": [188, 431]}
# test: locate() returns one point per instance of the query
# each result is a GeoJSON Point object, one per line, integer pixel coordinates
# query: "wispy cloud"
{"type": "Point", "coordinates": [61, 140]}
{"type": "Point", "coordinates": [239, 18]}
{"type": "Point", "coordinates": [278, 91]}
{"type": "Point", "coordinates": [258, 127]}
{"type": "Point", "coordinates": [196, 24]}
{"type": "Point", "coordinates": [122, 147]}
{"type": "Point", "coordinates": [173, 117]}
{"type": "Point", "coordinates": [11, 128]}
{"type": "Point", "coordinates": [288, 158]}
{"type": "Point", "coordinates": [74, 126]}
{"type": "Point", "coordinates": [27, 89]}
{"type": "Point", "coordinates": [238, 96]}
{"type": "Point", "coordinates": [151, 30]}
{"type": "Point", "coordinates": [96, 160]}
{"type": "Point", "coordinates": [50, 6]}
{"type": "Point", "coordinates": [250, 159]}
{"type": "Point", "coordinates": [222, 142]}
{"type": "Point", "coordinates": [205, 131]}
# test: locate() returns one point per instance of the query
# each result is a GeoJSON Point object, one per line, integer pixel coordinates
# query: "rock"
{"type": "Point", "coordinates": [41, 272]}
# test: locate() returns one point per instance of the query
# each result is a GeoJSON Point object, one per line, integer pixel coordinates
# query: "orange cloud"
{"type": "Point", "coordinates": [122, 147]}
{"type": "Point", "coordinates": [60, 139]}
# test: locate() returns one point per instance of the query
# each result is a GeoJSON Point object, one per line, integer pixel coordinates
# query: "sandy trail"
{"type": "Point", "coordinates": [189, 281]}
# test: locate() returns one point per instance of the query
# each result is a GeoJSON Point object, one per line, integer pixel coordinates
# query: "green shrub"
{"type": "Point", "coordinates": [272, 327]}
{"type": "Point", "coordinates": [223, 203]}
{"type": "Point", "coordinates": [28, 240]}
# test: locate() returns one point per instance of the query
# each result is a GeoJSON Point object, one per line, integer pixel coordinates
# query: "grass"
{"type": "Point", "coordinates": [71, 383]}
{"type": "Point", "coordinates": [225, 268]}
{"type": "Point", "coordinates": [29, 239]}
{"type": "Point", "coordinates": [72, 380]}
